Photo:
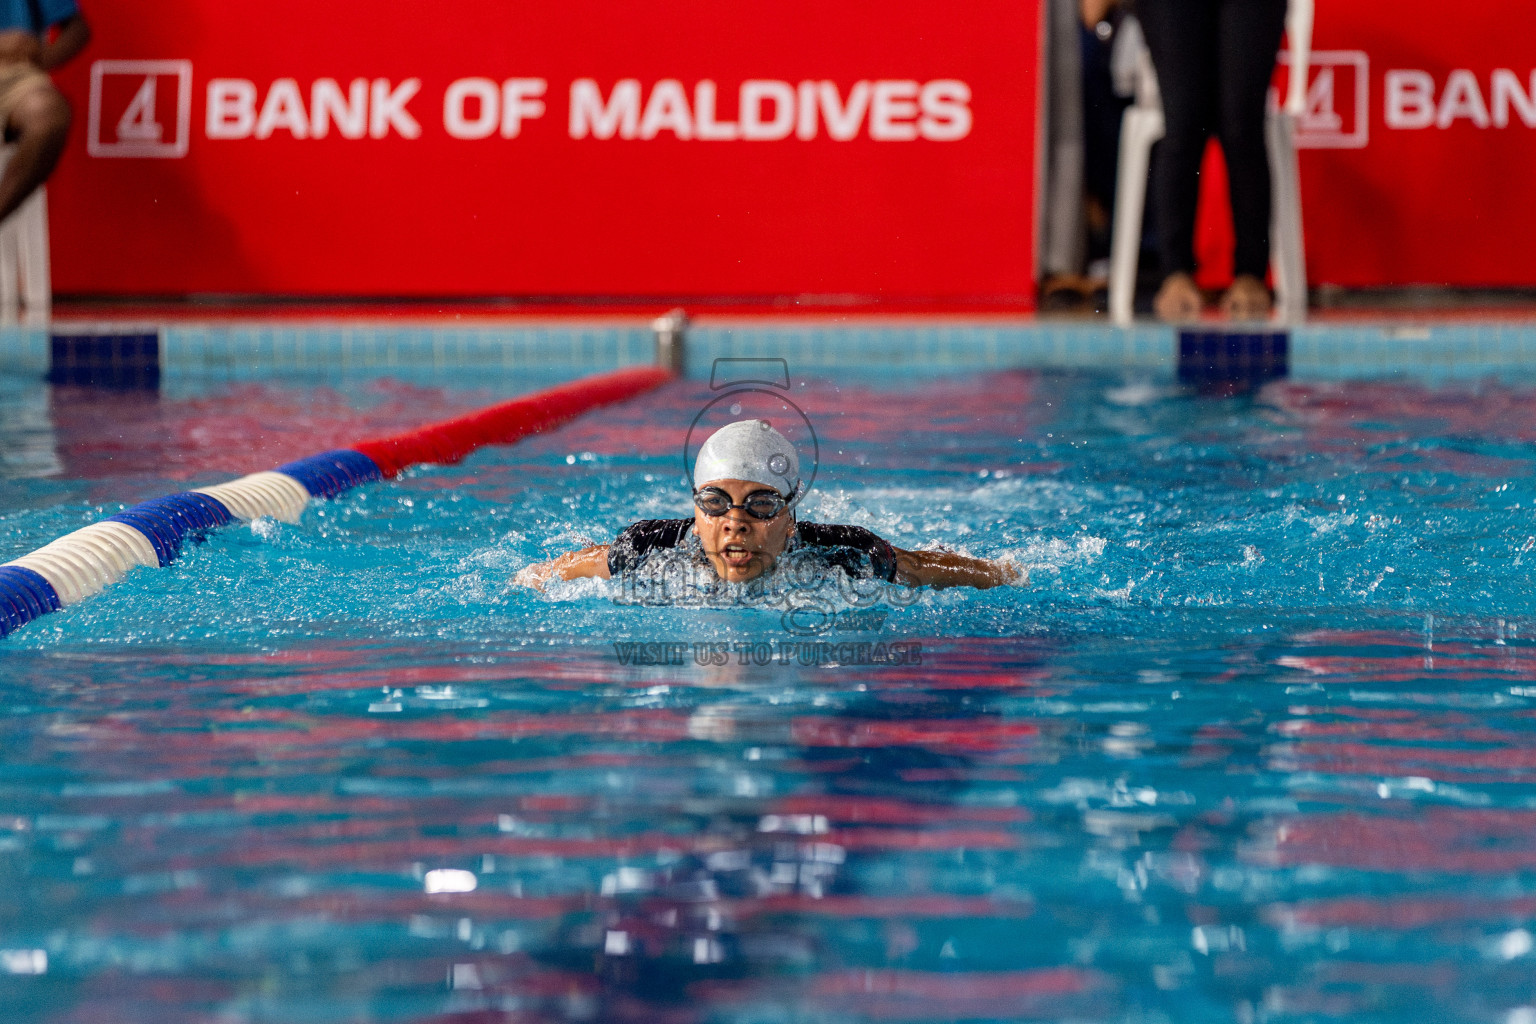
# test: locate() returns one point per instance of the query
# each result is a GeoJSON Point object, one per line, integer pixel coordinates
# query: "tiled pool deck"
{"type": "Point", "coordinates": [249, 349]}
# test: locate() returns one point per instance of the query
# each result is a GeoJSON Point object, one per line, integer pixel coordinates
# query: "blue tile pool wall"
{"type": "Point", "coordinates": [119, 360]}
{"type": "Point", "coordinates": [250, 351]}
{"type": "Point", "coordinates": [256, 350]}
{"type": "Point", "coordinates": [1316, 352]}
{"type": "Point", "coordinates": [24, 350]}
{"type": "Point", "coordinates": [1438, 351]}
{"type": "Point", "coordinates": [937, 347]}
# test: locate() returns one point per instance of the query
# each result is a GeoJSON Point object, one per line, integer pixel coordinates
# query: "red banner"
{"type": "Point", "coordinates": [1421, 140]}
{"type": "Point", "coordinates": [587, 148]}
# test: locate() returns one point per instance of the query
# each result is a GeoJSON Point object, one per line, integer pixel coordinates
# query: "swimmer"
{"type": "Point", "coordinates": [746, 485]}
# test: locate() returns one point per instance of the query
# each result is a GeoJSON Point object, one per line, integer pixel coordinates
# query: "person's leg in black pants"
{"type": "Point", "coordinates": [1214, 59]}
{"type": "Point", "coordinates": [1182, 37]}
{"type": "Point", "coordinates": [1248, 34]}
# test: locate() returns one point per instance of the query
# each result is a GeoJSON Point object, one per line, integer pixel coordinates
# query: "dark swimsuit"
{"type": "Point", "coordinates": [855, 550]}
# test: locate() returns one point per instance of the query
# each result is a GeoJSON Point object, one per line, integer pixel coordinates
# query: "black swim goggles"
{"type": "Point", "coordinates": [713, 501]}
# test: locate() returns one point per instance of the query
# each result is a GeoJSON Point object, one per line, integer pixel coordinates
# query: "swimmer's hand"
{"type": "Point", "coordinates": [1012, 573]}
{"type": "Point", "coordinates": [939, 569]}
{"type": "Point", "coordinates": [573, 565]}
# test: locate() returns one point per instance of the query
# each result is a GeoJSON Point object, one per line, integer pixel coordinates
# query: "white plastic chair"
{"type": "Point", "coordinates": [1287, 244]}
{"type": "Point", "coordinates": [1143, 125]}
{"type": "Point", "coordinates": [25, 277]}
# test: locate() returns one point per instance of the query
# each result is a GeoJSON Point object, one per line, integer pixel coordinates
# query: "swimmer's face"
{"type": "Point", "coordinates": [740, 547]}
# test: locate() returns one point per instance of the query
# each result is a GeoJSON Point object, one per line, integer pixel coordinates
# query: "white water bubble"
{"type": "Point", "coordinates": [450, 880]}
{"type": "Point", "coordinates": [24, 961]}
{"type": "Point", "coordinates": [1515, 944]}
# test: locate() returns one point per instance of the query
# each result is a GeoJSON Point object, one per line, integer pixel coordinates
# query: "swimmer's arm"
{"type": "Point", "coordinates": [573, 565]}
{"type": "Point", "coordinates": [939, 569]}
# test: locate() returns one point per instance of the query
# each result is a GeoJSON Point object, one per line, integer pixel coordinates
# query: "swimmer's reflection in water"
{"type": "Point", "coordinates": [746, 486]}
{"type": "Point", "coordinates": [749, 908]}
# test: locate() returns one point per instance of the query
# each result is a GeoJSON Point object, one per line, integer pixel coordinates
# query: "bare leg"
{"type": "Point", "coordinates": [40, 126]}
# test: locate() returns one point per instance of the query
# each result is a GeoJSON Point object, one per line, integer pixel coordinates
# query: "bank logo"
{"type": "Point", "coordinates": [1337, 113]}
{"type": "Point", "coordinates": [140, 108]}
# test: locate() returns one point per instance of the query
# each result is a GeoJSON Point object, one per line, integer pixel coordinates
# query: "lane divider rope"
{"type": "Point", "coordinates": [87, 561]}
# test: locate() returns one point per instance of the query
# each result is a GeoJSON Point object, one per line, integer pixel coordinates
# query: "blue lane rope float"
{"type": "Point", "coordinates": [331, 473]}
{"type": "Point", "coordinates": [85, 562]}
{"type": "Point", "coordinates": [24, 595]}
{"type": "Point", "coordinates": [167, 521]}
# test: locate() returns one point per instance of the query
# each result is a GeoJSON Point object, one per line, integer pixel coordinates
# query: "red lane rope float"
{"type": "Point", "coordinates": [453, 439]}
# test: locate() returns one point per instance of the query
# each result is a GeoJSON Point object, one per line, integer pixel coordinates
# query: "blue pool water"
{"type": "Point", "coordinates": [1256, 743]}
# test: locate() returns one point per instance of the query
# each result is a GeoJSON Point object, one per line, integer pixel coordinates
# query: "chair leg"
{"type": "Point", "coordinates": [10, 270]}
{"type": "Point", "coordinates": [36, 273]}
{"type": "Point", "coordinates": [1138, 131]}
{"type": "Point", "coordinates": [1288, 254]}
{"type": "Point", "coordinates": [9, 256]}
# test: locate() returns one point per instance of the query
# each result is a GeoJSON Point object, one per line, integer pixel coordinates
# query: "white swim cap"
{"type": "Point", "coordinates": [749, 450]}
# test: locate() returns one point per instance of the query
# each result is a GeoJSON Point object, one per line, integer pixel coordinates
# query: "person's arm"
{"type": "Point", "coordinates": [73, 33]}
{"type": "Point", "coordinates": [939, 569]}
{"type": "Point", "coordinates": [573, 565]}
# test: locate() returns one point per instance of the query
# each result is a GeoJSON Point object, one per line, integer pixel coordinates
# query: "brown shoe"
{"type": "Point", "coordinates": [1061, 292]}
{"type": "Point", "coordinates": [1178, 299]}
